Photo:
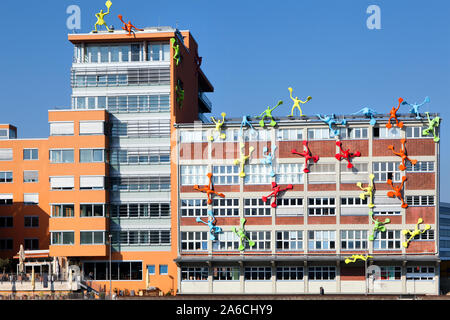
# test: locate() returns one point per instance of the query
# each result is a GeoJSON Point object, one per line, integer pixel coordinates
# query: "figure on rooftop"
{"type": "Point", "coordinates": [297, 102]}
{"type": "Point", "coordinates": [332, 123]}
{"type": "Point", "coordinates": [101, 17]}
{"type": "Point", "coordinates": [128, 26]}
{"type": "Point", "coordinates": [414, 108]}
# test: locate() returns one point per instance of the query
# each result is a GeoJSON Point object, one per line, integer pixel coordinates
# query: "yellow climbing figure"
{"type": "Point", "coordinates": [355, 257]}
{"type": "Point", "coordinates": [297, 102]}
{"type": "Point", "coordinates": [243, 158]}
{"type": "Point", "coordinates": [415, 232]}
{"type": "Point", "coordinates": [219, 124]}
{"type": "Point", "coordinates": [100, 17]}
{"type": "Point", "coordinates": [368, 191]}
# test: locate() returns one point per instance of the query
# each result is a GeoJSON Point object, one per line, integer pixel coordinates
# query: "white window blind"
{"type": "Point", "coordinates": [62, 182]}
{"type": "Point", "coordinates": [92, 182]}
{"type": "Point", "coordinates": [4, 196]}
{"type": "Point", "coordinates": [31, 198]}
{"type": "Point", "coordinates": [91, 127]}
{"type": "Point", "coordinates": [6, 154]}
{"type": "Point", "coordinates": [61, 128]}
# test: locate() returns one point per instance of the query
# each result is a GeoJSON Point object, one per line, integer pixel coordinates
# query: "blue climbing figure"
{"type": "Point", "coordinates": [332, 121]}
{"type": "Point", "coordinates": [268, 158]}
{"type": "Point", "coordinates": [213, 229]}
{"type": "Point", "coordinates": [414, 107]}
{"type": "Point", "coordinates": [246, 123]}
{"type": "Point", "coordinates": [368, 112]}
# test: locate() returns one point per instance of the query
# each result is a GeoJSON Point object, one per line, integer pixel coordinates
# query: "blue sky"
{"type": "Point", "coordinates": [252, 52]}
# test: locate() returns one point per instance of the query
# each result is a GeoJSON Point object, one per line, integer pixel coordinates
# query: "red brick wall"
{"type": "Point", "coordinates": [190, 151]}
{"type": "Point", "coordinates": [225, 150]}
{"type": "Point", "coordinates": [421, 246]}
{"type": "Point", "coordinates": [322, 220]}
{"type": "Point", "coordinates": [354, 219]}
{"type": "Point", "coordinates": [321, 187]}
{"type": "Point", "coordinates": [350, 187]}
{"type": "Point", "coordinates": [259, 221]}
{"type": "Point", "coordinates": [380, 147]}
{"type": "Point", "coordinates": [422, 147]}
{"type": "Point", "coordinates": [357, 145]}
{"type": "Point", "coordinates": [352, 273]}
{"type": "Point", "coordinates": [258, 148]}
{"type": "Point", "coordinates": [289, 220]}
{"type": "Point", "coordinates": [285, 147]}
{"type": "Point", "coordinates": [420, 181]}
{"type": "Point", "coordinates": [322, 148]}
{"type": "Point", "coordinates": [426, 213]}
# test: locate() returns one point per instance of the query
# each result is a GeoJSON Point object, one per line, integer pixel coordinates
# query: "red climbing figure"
{"type": "Point", "coordinates": [393, 115]}
{"type": "Point", "coordinates": [306, 154]}
{"type": "Point", "coordinates": [397, 191]}
{"type": "Point", "coordinates": [128, 26]}
{"type": "Point", "coordinates": [209, 189]}
{"type": "Point", "coordinates": [347, 155]}
{"type": "Point", "coordinates": [276, 189]}
{"type": "Point", "coordinates": [403, 155]}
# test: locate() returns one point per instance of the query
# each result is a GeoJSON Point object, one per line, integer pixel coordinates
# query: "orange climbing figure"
{"type": "Point", "coordinates": [397, 191]}
{"type": "Point", "coordinates": [128, 26]}
{"type": "Point", "coordinates": [393, 115]}
{"type": "Point", "coordinates": [209, 189]}
{"type": "Point", "coordinates": [403, 155]}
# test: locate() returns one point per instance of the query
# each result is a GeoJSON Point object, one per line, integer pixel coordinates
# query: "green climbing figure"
{"type": "Point", "coordinates": [378, 225]}
{"type": "Point", "coordinates": [180, 96]}
{"type": "Point", "coordinates": [268, 113]}
{"type": "Point", "coordinates": [176, 48]}
{"type": "Point", "coordinates": [432, 125]}
{"type": "Point", "coordinates": [242, 236]}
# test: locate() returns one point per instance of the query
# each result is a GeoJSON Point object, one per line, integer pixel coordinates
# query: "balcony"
{"type": "Point", "coordinates": [205, 106]}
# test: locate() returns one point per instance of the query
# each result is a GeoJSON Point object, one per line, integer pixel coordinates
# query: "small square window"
{"type": "Point", "coordinates": [163, 269]}
{"type": "Point", "coordinates": [151, 269]}
{"type": "Point", "coordinates": [30, 154]}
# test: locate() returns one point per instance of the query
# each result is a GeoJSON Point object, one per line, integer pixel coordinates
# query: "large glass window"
{"type": "Point", "coordinates": [194, 241]}
{"type": "Point", "coordinates": [62, 238]}
{"type": "Point", "coordinates": [194, 273]}
{"type": "Point", "coordinates": [92, 237]}
{"type": "Point", "coordinates": [289, 240]}
{"type": "Point", "coordinates": [6, 176]}
{"type": "Point", "coordinates": [225, 273]}
{"type": "Point", "coordinates": [257, 273]}
{"type": "Point", "coordinates": [321, 273]}
{"type": "Point", "coordinates": [289, 273]}
{"type": "Point", "coordinates": [30, 154]}
{"type": "Point", "coordinates": [123, 270]}
{"type": "Point", "coordinates": [63, 210]}
{"type": "Point", "coordinates": [62, 156]}
{"type": "Point", "coordinates": [92, 210]}
{"type": "Point", "coordinates": [321, 240]}
{"type": "Point", "coordinates": [92, 155]}
{"type": "Point", "coordinates": [353, 239]}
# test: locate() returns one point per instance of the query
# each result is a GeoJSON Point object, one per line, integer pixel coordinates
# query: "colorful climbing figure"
{"type": "Point", "coordinates": [176, 48]}
{"type": "Point", "coordinates": [268, 158]}
{"type": "Point", "coordinates": [346, 154]}
{"type": "Point", "coordinates": [415, 232]}
{"type": "Point", "coordinates": [213, 229]}
{"type": "Point", "coordinates": [397, 191]}
{"type": "Point", "coordinates": [297, 102]}
{"type": "Point", "coordinates": [101, 17]}
{"type": "Point", "coordinates": [128, 26]}
{"type": "Point", "coordinates": [332, 123]}
{"type": "Point", "coordinates": [432, 125]}
{"type": "Point", "coordinates": [368, 191]}
{"type": "Point", "coordinates": [219, 124]}
{"type": "Point", "coordinates": [393, 115]}
{"type": "Point", "coordinates": [242, 236]}
{"type": "Point", "coordinates": [355, 257]}
{"type": "Point", "coordinates": [402, 154]}
{"type": "Point", "coordinates": [209, 189]}
{"type": "Point", "coordinates": [246, 122]}
{"type": "Point", "coordinates": [180, 96]}
{"type": "Point", "coordinates": [268, 113]}
{"type": "Point", "coordinates": [368, 112]}
{"type": "Point", "coordinates": [276, 189]}
{"type": "Point", "coordinates": [414, 108]}
{"type": "Point", "coordinates": [306, 154]}
{"type": "Point", "coordinates": [379, 226]}
{"type": "Point", "coordinates": [243, 158]}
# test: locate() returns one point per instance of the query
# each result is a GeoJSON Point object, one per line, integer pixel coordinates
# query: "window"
{"type": "Point", "coordinates": [62, 183]}
{"type": "Point", "coordinates": [140, 183]}
{"type": "Point", "coordinates": [289, 173]}
{"type": "Point", "coordinates": [321, 206]}
{"type": "Point", "coordinates": [322, 173]}
{"type": "Point", "coordinates": [6, 222]}
{"type": "Point", "coordinates": [163, 269]}
{"type": "Point", "coordinates": [391, 273]}
{"type": "Point", "coordinates": [358, 173]}
{"type": "Point", "coordinates": [427, 235]}
{"type": "Point", "coordinates": [62, 238]}
{"type": "Point", "coordinates": [92, 182]}
{"type": "Point", "coordinates": [257, 174]}
{"type": "Point", "coordinates": [6, 176]}
{"type": "Point", "coordinates": [353, 239]}
{"type": "Point", "coordinates": [193, 175]}
{"type": "Point", "coordinates": [141, 237]}
{"type": "Point", "coordinates": [193, 207]}
{"type": "Point", "coordinates": [6, 244]}
{"type": "Point", "coordinates": [353, 201]}
{"type": "Point", "coordinates": [31, 221]}
{"type": "Point", "coordinates": [141, 210]}
{"type": "Point", "coordinates": [225, 273]}
{"type": "Point", "coordinates": [63, 210]}
{"type": "Point", "coordinates": [225, 207]}
{"type": "Point", "coordinates": [385, 133]}
{"type": "Point", "coordinates": [141, 156]}
{"type": "Point", "coordinates": [6, 199]}
{"type": "Point", "coordinates": [30, 154]}
{"type": "Point", "coordinates": [193, 136]}
{"type": "Point", "coordinates": [3, 134]}
{"type": "Point", "coordinates": [420, 166]}
{"type": "Point", "coordinates": [354, 133]}
{"type": "Point", "coordinates": [389, 240]}
{"type": "Point", "coordinates": [256, 207]}
{"type": "Point", "coordinates": [289, 240]}
{"type": "Point", "coordinates": [419, 273]}
{"type": "Point", "coordinates": [261, 239]}
{"type": "Point", "coordinates": [61, 128]}
{"type": "Point", "coordinates": [154, 128]}
{"type": "Point", "coordinates": [151, 269]}
{"type": "Point", "coordinates": [416, 132]}
{"type": "Point", "coordinates": [250, 135]}
{"type": "Point", "coordinates": [30, 176]}
{"type": "Point", "coordinates": [158, 52]}
{"type": "Point", "coordinates": [289, 134]}
{"type": "Point", "coordinates": [321, 273]}
{"type": "Point", "coordinates": [92, 155]}
{"type": "Point", "coordinates": [31, 244]}
{"type": "Point", "coordinates": [420, 200]}
{"type": "Point", "coordinates": [319, 134]}
{"type": "Point", "coordinates": [194, 241]}
{"type": "Point", "coordinates": [257, 273]}
{"type": "Point", "coordinates": [62, 156]}
{"type": "Point", "coordinates": [6, 155]}
{"type": "Point", "coordinates": [124, 270]}
{"type": "Point", "coordinates": [289, 273]}
{"type": "Point", "coordinates": [289, 207]}
{"type": "Point", "coordinates": [31, 198]}
{"type": "Point", "coordinates": [226, 241]}
{"type": "Point", "coordinates": [386, 170]}
{"type": "Point", "coordinates": [92, 127]}
{"type": "Point", "coordinates": [386, 213]}
{"type": "Point", "coordinates": [92, 210]}
{"type": "Point", "coordinates": [92, 237]}
{"type": "Point", "coordinates": [194, 273]}
{"type": "Point", "coordinates": [226, 175]}
{"type": "Point", "coordinates": [321, 240]}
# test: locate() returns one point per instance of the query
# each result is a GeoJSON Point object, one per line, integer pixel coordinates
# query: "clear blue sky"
{"type": "Point", "coordinates": [252, 52]}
